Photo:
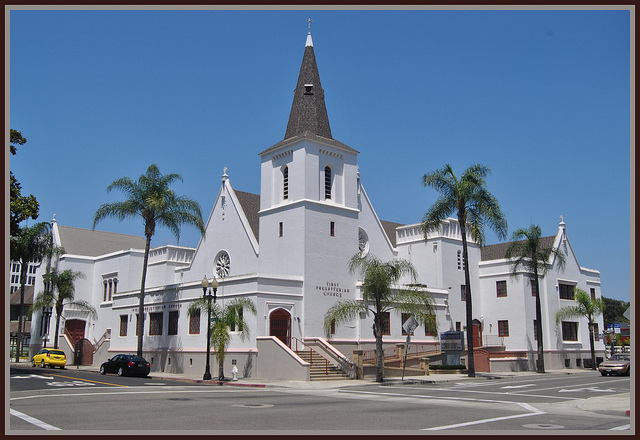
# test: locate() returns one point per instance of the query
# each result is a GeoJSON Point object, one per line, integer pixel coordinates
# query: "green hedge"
{"type": "Point", "coordinates": [447, 367]}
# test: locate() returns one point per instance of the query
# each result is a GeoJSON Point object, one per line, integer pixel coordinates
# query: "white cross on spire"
{"type": "Point", "coordinates": [309, 20]}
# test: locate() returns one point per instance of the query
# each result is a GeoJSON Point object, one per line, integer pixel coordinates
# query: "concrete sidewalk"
{"type": "Point", "coordinates": [619, 404]}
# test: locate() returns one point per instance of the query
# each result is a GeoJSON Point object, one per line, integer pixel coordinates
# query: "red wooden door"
{"type": "Point", "coordinates": [477, 333]}
{"type": "Point", "coordinates": [74, 329]}
{"type": "Point", "coordinates": [280, 325]}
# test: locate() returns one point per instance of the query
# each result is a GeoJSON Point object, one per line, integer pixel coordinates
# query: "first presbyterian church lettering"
{"type": "Point", "coordinates": [332, 289]}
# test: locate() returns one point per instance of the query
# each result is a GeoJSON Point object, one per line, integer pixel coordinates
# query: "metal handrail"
{"type": "Point", "coordinates": [311, 352]}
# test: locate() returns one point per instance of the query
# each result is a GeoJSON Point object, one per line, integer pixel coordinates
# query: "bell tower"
{"type": "Point", "coordinates": [308, 199]}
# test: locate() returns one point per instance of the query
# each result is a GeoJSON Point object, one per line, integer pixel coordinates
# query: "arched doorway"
{"type": "Point", "coordinates": [280, 325]}
{"type": "Point", "coordinates": [477, 333]}
{"type": "Point", "coordinates": [74, 328]}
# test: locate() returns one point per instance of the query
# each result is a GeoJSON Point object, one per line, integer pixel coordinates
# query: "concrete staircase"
{"type": "Point", "coordinates": [321, 369]}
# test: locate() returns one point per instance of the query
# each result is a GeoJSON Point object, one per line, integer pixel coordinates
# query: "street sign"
{"type": "Point", "coordinates": [410, 325]}
{"type": "Point", "coordinates": [451, 341]}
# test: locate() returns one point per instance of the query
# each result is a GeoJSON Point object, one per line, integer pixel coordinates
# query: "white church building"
{"type": "Point", "coordinates": [287, 249]}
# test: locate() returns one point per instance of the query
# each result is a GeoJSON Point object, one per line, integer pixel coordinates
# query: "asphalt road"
{"type": "Point", "coordinates": [85, 401]}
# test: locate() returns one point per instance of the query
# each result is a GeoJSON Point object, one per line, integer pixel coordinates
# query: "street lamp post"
{"type": "Point", "coordinates": [46, 317]}
{"type": "Point", "coordinates": [206, 293]}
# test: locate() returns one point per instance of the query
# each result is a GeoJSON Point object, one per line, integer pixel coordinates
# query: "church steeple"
{"type": "Point", "coordinates": [308, 112]}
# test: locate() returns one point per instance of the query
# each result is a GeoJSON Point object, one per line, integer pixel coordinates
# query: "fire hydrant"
{"type": "Point", "coordinates": [234, 371]}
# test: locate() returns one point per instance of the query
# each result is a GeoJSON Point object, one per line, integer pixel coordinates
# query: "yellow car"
{"type": "Point", "coordinates": [50, 357]}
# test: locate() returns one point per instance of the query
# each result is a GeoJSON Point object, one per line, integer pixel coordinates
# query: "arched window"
{"type": "Point", "coordinates": [327, 182]}
{"type": "Point", "coordinates": [285, 183]}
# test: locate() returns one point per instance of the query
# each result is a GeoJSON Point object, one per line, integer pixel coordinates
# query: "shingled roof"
{"type": "Point", "coordinates": [308, 118]}
{"type": "Point", "coordinates": [390, 230]}
{"type": "Point", "coordinates": [498, 251]}
{"type": "Point", "coordinates": [92, 243]}
{"type": "Point", "coordinates": [250, 204]}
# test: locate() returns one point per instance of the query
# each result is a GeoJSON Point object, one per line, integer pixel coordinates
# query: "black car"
{"type": "Point", "coordinates": [126, 365]}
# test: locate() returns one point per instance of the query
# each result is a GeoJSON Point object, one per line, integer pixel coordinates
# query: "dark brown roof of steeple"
{"type": "Point", "coordinates": [308, 111]}
{"type": "Point", "coordinates": [308, 118]}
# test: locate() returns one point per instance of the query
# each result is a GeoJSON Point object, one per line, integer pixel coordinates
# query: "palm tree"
{"type": "Point", "coordinates": [29, 245]}
{"type": "Point", "coordinates": [379, 296]}
{"type": "Point", "coordinates": [62, 282]}
{"type": "Point", "coordinates": [151, 199]}
{"type": "Point", "coordinates": [586, 307]}
{"type": "Point", "coordinates": [475, 207]}
{"type": "Point", "coordinates": [223, 319]}
{"type": "Point", "coordinates": [527, 253]}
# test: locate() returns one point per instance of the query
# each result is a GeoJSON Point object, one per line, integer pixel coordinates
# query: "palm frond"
{"type": "Point", "coordinates": [342, 312]}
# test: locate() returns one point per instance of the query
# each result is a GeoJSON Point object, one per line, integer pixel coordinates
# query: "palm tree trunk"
{"type": "Point", "coordinates": [221, 369]}
{"type": "Point", "coordinates": [471, 368]}
{"type": "Point", "coordinates": [540, 363]}
{"type": "Point", "coordinates": [591, 343]}
{"type": "Point", "coordinates": [377, 333]}
{"type": "Point", "coordinates": [141, 298]}
{"type": "Point", "coordinates": [23, 282]}
{"type": "Point", "coordinates": [55, 340]}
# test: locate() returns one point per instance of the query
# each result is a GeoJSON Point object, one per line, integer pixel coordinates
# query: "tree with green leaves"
{"type": "Point", "coordinates": [380, 295]}
{"type": "Point", "coordinates": [528, 254]}
{"type": "Point", "coordinates": [585, 307]}
{"type": "Point", "coordinates": [29, 245]}
{"type": "Point", "coordinates": [61, 292]}
{"type": "Point", "coordinates": [224, 319]}
{"type": "Point", "coordinates": [614, 310]}
{"type": "Point", "coordinates": [22, 207]}
{"type": "Point", "coordinates": [151, 199]}
{"type": "Point", "coordinates": [475, 207]}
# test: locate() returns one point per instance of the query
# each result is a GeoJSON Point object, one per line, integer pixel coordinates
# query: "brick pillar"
{"type": "Point", "coordinates": [357, 358]}
{"type": "Point", "coordinates": [424, 365]}
{"type": "Point", "coordinates": [400, 351]}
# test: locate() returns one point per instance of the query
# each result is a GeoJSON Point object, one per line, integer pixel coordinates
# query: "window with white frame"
{"type": "Point", "coordinates": [569, 331]}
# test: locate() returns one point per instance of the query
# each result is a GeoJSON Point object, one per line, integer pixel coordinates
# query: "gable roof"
{"type": "Point", "coordinates": [14, 298]}
{"type": "Point", "coordinates": [250, 204]}
{"type": "Point", "coordinates": [390, 230]}
{"type": "Point", "coordinates": [92, 243]}
{"type": "Point", "coordinates": [498, 251]}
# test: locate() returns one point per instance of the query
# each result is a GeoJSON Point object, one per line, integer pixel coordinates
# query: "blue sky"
{"type": "Point", "coordinates": [541, 97]}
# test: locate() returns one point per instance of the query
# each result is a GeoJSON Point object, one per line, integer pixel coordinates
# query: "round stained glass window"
{"type": "Point", "coordinates": [223, 264]}
{"type": "Point", "coordinates": [363, 242]}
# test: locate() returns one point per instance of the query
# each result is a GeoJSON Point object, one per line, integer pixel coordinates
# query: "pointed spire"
{"type": "Point", "coordinates": [308, 111]}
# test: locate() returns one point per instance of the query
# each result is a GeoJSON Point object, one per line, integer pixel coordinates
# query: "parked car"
{"type": "Point", "coordinates": [619, 363]}
{"type": "Point", "coordinates": [51, 357]}
{"type": "Point", "coordinates": [126, 365]}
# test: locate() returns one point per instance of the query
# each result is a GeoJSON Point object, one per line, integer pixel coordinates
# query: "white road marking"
{"type": "Point", "coordinates": [518, 386]}
{"type": "Point", "coordinates": [33, 421]}
{"type": "Point", "coordinates": [32, 376]}
{"type": "Point", "coordinates": [621, 428]}
{"type": "Point", "coordinates": [594, 389]}
{"type": "Point", "coordinates": [73, 383]}
{"type": "Point", "coordinates": [125, 391]}
{"type": "Point", "coordinates": [423, 396]}
{"type": "Point", "coordinates": [534, 412]}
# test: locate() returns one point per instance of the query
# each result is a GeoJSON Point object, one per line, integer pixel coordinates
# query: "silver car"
{"type": "Point", "coordinates": [619, 363]}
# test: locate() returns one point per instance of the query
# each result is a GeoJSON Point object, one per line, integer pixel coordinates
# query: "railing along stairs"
{"type": "Point", "coordinates": [321, 368]}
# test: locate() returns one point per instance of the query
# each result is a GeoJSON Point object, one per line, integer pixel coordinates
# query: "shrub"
{"type": "Point", "coordinates": [447, 367]}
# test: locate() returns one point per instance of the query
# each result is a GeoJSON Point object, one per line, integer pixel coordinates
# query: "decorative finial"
{"type": "Point", "coordinates": [561, 219]}
{"type": "Point", "coordinates": [309, 20]}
